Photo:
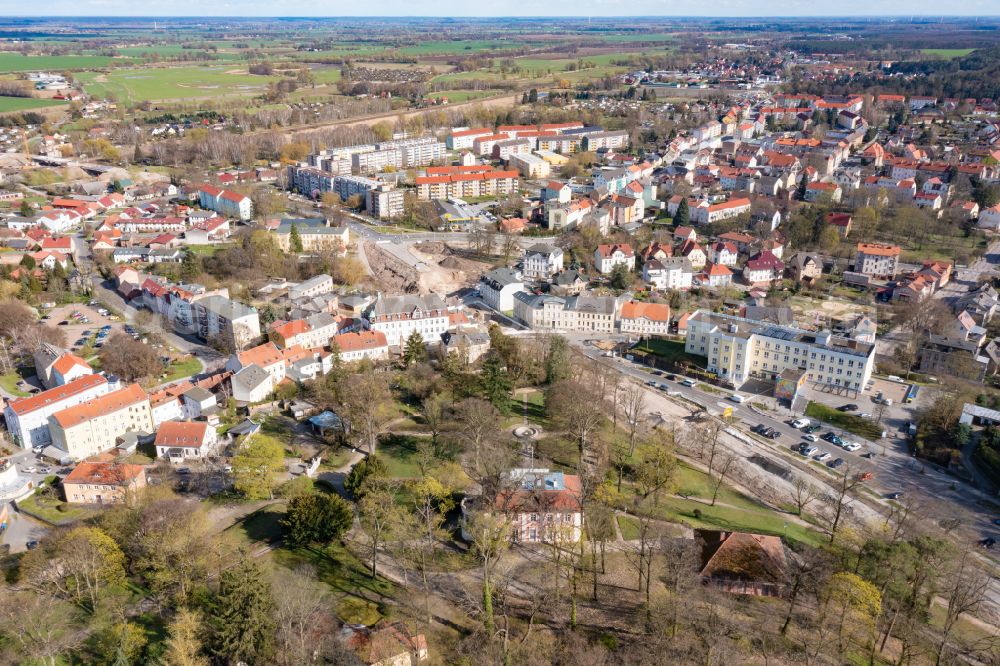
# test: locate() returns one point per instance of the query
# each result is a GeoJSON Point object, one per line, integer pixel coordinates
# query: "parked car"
{"type": "Point", "coordinates": [834, 464]}
{"type": "Point", "coordinates": [809, 450]}
{"type": "Point", "coordinates": [894, 496]}
{"type": "Point", "coordinates": [813, 428]}
{"type": "Point", "coordinates": [988, 543]}
{"type": "Point", "coordinates": [825, 455]}
{"type": "Point", "coordinates": [851, 446]}
{"type": "Point", "coordinates": [810, 438]}
{"type": "Point", "coordinates": [738, 399]}
{"type": "Point", "coordinates": [31, 545]}
{"type": "Point", "coordinates": [848, 408]}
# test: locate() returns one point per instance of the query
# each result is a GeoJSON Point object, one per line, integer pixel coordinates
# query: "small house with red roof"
{"type": "Point", "coordinates": [762, 269]}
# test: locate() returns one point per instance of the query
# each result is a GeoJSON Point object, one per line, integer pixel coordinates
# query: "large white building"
{"type": "Point", "coordinates": [94, 426]}
{"type": "Point", "coordinates": [497, 288]}
{"type": "Point", "coordinates": [28, 418]}
{"type": "Point", "coordinates": [574, 313]}
{"type": "Point", "coordinates": [225, 202]}
{"type": "Point", "coordinates": [542, 261]}
{"type": "Point", "coordinates": [397, 317]}
{"type": "Point", "coordinates": [738, 349]}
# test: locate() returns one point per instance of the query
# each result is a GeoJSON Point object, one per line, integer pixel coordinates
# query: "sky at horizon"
{"type": "Point", "coordinates": [502, 8]}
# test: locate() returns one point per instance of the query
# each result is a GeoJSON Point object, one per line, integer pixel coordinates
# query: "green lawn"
{"type": "Point", "coordinates": [45, 508]}
{"type": "Point", "coordinates": [357, 597]}
{"type": "Point", "coordinates": [947, 54]}
{"type": "Point", "coordinates": [399, 453]}
{"type": "Point", "coordinates": [9, 383]}
{"type": "Point", "coordinates": [209, 250]}
{"type": "Point", "coordinates": [181, 368]}
{"type": "Point", "coordinates": [699, 514]}
{"type": "Point", "coordinates": [14, 104]}
{"type": "Point", "coordinates": [174, 83]}
{"type": "Point", "coordinates": [850, 422]}
{"type": "Point", "coordinates": [668, 350]}
{"type": "Point", "coordinates": [456, 96]}
{"type": "Point", "coordinates": [15, 62]}
{"type": "Point", "coordinates": [629, 527]}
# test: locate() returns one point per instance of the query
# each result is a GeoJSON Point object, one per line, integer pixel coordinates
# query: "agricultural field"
{"type": "Point", "coordinates": [947, 54]}
{"type": "Point", "coordinates": [15, 62]}
{"type": "Point", "coordinates": [174, 83]}
{"type": "Point", "coordinates": [458, 47]}
{"type": "Point", "coordinates": [14, 104]}
{"type": "Point", "coordinates": [455, 96]}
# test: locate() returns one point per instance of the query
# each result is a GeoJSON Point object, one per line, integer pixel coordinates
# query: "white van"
{"type": "Point", "coordinates": [738, 399]}
{"type": "Point", "coordinates": [800, 423]}
{"type": "Point", "coordinates": [688, 382]}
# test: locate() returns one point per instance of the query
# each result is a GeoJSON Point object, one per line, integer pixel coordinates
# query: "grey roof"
{"type": "Point", "coordinates": [501, 277]}
{"type": "Point", "coordinates": [251, 377]}
{"type": "Point", "coordinates": [470, 338]}
{"type": "Point", "coordinates": [390, 305]}
{"type": "Point", "coordinates": [543, 248]}
{"type": "Point", "coordinates": [568, 277]}
{"type": "Point", "coordinates": [595, 304]}
{"type": "Point", "coordinates": [314, 281]}
{"type": "Point", "coordinates": [245, 427]}
{"type": "Point", "coordinates": [320, 320]}
{"type": "Point", "coordinates": [225, 307]}
{"type": "Point", "coordinates": [302, 222]}
{"type": "Point", "coordinates": [198, 394]}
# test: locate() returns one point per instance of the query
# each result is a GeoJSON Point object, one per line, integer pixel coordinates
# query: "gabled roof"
{"type": "Point", "coordinates": [262, 355]}
{"type": "Point", "coordinates": [104, 473]}
{"type": "Point", "coordinates": [659, 312]}
{"type": "Point", "coordinates": [22, 406]}
{"type": "Point", "coordinates": [182, 434]}
{"type": "Point", "coordinates": [99, 406]}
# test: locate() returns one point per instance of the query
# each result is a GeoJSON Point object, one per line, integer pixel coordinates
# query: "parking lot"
{"type": "Point", "coordinates": [82, 323]}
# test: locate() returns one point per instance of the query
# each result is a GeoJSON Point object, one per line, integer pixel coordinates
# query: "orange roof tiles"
{"type": "Point", "coordinates": [653, 311]}
{"type": "Point", "coordinates": [181, 434]}
{"type": "Point", "coordinates": [879, 249]}
{"type": "Point", "coordinates": [262, 355]}
{"type": "Point", "coordinates": [23, 406]}
{"type": "Point", "coordinates": [364, 340]}
{"type": "Point", "coordinates": [101, 405]}
{"type": "Point", "coordinates": [66, 362]}
{"type": "Point", "coordinates": [103, 473]}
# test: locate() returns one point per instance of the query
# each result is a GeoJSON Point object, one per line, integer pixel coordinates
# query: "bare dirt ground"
{"type": "Point", "coordinates": [449, 271]}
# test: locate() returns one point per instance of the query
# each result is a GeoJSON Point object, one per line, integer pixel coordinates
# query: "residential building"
{"type": "Point", "coordinates": [219, 318]}
{"type": "Point", "coordinates": [459, 182]}
{"type": "Point", "coordinates": [614, 139]}
{"type": "Point", "coordinates": [314, 331]}
{"type": "Point", "coordinates": [226, 202]}
{"type": "Point", "coordinates": [27, 418]}
{"type": "Point", "coordinates": [94, 426]}
{"type": "Point", "coordinates": [266, 357]}
{"type": "Point", "coordinates": [762, 269]}
{"type": "Point", "coordinates": [606, 257]}
{"type": "Point", "coordinates": [315, 234]}
{"type": "Point", "coordinates": [497, 288]}
{"type": "Point", "coordinates": [805, 267]}
{"type": "Point", "coordinates": [716, 275]}
{"type": "Point", "coordinates": [542, 507]}
{"type": "Point", "coordinates": [179, 441]}
{"type": "Point", "coordinates": [669, 273]}
{"type": "Point", "coordinates": [103, 482]}
{"type": "Point", "coordinates": [574, 313]}
{"type": "Point", "coordinates": [314, 286]}
{"type": "Point", "coordinates": [723, 253]}
{"type": "Point", "coordinates": [252, 384]}
{"type": "Point", "coordinates": [369, 345]}
{"type": "Point", "coordinates": [55, 366]}
{"type": "Point", "coordinates": [644, 319]}
{"type": "Point", "coordinates": [530, 166]}
{"type": "Point", "coordinates": [386, 644]}
{"type": "Point", "coordinates": [877, 260]}
{"type": "Point", "coordinates": [739, 348]}
{"type": "Point", "coordinates": [399, 316]}
{"type": "Point", "coordinates": [468, 344]}
{"type": "Point", "coordinates": [542, 261]}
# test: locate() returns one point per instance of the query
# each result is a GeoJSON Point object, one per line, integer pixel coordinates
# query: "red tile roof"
{"type": "Point", "coordinates": [22, 406]}
{"type": "Point", "coordinates": [103, 473]}
{"type": "Point", "coordinates": [181, 434]}
{"type": "Point", "coordinates": [105, 404]}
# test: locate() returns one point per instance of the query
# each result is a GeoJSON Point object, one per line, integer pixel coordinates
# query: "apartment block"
{"type": "Point", "coordinates": [397, 317]}
{"type": "Point", "coordinates": [95, 426]}
{"type": "Point", "coordinates": [28, 418]}
{"type": "Point", "coordinates": [877, 260]}
{"type": "Point", "coordinates": [738, 349]}
{"type": "Point", "coordinates": [530, 166]}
